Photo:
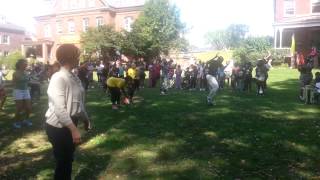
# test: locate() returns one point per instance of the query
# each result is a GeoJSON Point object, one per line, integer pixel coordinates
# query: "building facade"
{"type": "Point", "coordinates": [300, 18]}
{"type": "Point", "coordinates": [11, 37]}
{"type": "Point", "coordinates": [70, 18]}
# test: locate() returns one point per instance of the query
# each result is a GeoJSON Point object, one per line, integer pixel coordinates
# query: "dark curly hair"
{"type": "Point", "coordinates": [20, 62]}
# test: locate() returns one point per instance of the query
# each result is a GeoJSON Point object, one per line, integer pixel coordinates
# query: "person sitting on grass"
{"type": "Point", "coordinates": [117, 86]}
{"type": "Point", "coordinates": [21, 94]}
{"type": "Point", "coordinates": [305, 68]}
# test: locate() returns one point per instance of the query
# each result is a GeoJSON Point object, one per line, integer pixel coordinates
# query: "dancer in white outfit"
{"type": "Point", "coordinates": [213, 88]}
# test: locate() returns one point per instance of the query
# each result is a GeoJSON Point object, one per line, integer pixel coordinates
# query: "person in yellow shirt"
{"type": "Point", "coordinates": [133, 73]}
{"type": "Point", "coordinates": [116, 86]}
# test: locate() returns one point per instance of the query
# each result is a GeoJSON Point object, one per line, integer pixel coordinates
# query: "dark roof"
{"type": "Point", "coordinates": [11, 27]}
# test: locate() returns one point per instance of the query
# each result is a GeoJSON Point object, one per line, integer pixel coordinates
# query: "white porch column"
{"type": "Point", "coordinates": [275, 37]}
{"type": "Point", "coordinates": [281, 31]}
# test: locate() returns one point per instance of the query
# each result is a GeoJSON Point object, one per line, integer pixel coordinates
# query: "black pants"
{"type": "Point", "coordinates": [247, 84]}
{"type": "Point", "coordinates": [63, 150]}
{"type": "Point", "coordinates": [115, 95]}
{"type": "Point", "coordinates": [35, 91]}
{"type": "Point", "coordinates": [136, 84]}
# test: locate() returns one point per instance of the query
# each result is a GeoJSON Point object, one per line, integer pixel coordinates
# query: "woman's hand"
{"type": "Point", "coordinates": [76, 136]}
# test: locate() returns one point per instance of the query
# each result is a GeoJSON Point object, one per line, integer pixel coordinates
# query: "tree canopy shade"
{"type": "Point", "coordinates": [228, 38]}
{"type": "Point", "coordinates": [157, 30]}
{"type": "Point", "coordinates": [102, 41]}
{"type": "Point", "coordinates": [218, 39]}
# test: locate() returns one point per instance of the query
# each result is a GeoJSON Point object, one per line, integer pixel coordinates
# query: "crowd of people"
{"type": "Point", "coordinates": [69, 82]}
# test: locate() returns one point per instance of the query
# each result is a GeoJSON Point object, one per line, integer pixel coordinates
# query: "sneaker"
{"type": "Point", "coordinates": [27, 122]}
{"type": "Point", "coordinates": [17, 125]}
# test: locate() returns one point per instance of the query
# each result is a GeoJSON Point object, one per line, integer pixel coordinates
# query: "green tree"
{"type": "Point", "coordinates": [10, 60]}
{"type": "Point", "coordinates": [218, 39]}
{"type": "Point", "coordinates": [157, 30]}
{"type": "Point", "coordinates": [253, 48]}
{"type": "Point", "coordinates": [237, 33]}
{"type": "Point", "coordinates": [102, 43]}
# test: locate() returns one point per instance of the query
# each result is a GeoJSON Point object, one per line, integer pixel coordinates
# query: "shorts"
{"type": "Point", "coordinates": [21, 94]}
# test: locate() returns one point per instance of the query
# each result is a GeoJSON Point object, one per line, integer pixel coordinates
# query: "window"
{"type": "Point", "coordinates": [59, 27]}
{"type": "Point", "coordinates": [92, 3]}
{"type": "Point", "coordinates": [289, 7]}
{"type": "Point", "coordinates": [315, 6]}
{"type": "Point", "coordinates": [128, 23]}
{"type": "Point", "coordinates": [71, 26]}
{"type": "Point", "coordinates": [99, 21]}
{"type": "Point", "coordinates": [47, 31]}
{"type": "Point", "coordinates": [5, 39]}
{"type": "Point", "coordinates": [85, 24]}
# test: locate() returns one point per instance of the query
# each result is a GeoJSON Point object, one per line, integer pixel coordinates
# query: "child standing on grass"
{"type": "Point", "coordinates": [21, 94]}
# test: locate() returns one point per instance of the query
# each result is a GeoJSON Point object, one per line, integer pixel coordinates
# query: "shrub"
{"type": "Point", "coordinates": [10, 60]}
{"type": "Point", "coordinates": [252, 49]}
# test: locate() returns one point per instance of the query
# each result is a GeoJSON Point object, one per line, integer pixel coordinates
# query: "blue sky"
{"type": "Point", "coordinates": [200, 16]}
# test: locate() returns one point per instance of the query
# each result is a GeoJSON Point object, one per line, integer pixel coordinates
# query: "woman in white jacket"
{"type": "Point", "coordinates": [66, 108]}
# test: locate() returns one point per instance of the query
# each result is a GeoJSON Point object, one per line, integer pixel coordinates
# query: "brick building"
{"type": "Point", "coordinates": [298, 17]}
{"type": "Point", "coordinates": [11, 37]}
{"type": "Point", "coordinates": [70, 18]}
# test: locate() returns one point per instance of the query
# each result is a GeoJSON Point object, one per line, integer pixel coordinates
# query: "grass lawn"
{"type": "Point", "coordinates": [179, 137]}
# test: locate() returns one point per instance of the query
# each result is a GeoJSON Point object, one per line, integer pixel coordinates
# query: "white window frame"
{"type": "Point", "coordinates": [311, 7]}
{"type": "Point", "coordinates": [285, 14]}
{"type": "Point", "coordinates": [47, 31]}
{"type": "Point", "coordinates": [71, 26]}
{"type": "Point", "coordinates": [127, 23]}
{"type": "Point", "coordinates": [59, 27]}
{"type": "Point", "coordinates": [85, 24]}
{"type": "Point", "coordinates": [99, 21]}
